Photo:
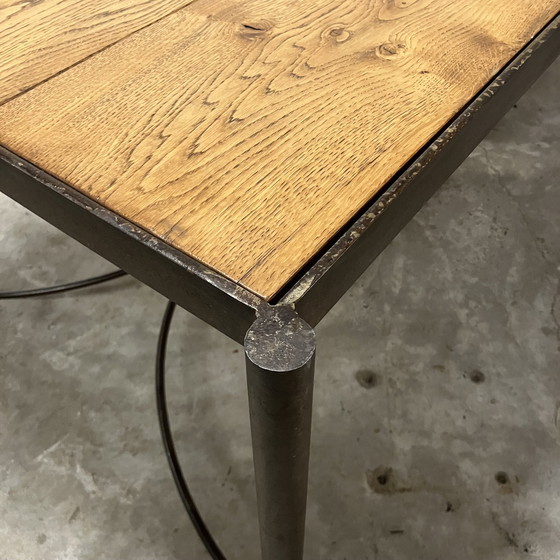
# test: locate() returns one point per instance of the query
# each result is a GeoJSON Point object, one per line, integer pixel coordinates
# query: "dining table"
{"type": "Point", "coordinates": [250, 159]}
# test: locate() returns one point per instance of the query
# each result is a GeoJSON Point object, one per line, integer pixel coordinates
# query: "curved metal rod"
{"type": "Point", "coordinates": [63, 287]}
{"type": "Point", "coordinates": [169, 446]}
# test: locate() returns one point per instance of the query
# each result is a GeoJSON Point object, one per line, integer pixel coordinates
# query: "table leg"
{"type": "Point", "coordinates": [280, 356]}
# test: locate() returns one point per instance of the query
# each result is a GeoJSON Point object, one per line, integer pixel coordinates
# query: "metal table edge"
{"type": "Point", "coordinates": [197, 288]}
{"type": "Point", "coordinates": [352, 251]}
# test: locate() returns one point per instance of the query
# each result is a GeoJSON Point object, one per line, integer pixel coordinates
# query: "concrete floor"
{"type": "Point", "coordinates": [438, 375]}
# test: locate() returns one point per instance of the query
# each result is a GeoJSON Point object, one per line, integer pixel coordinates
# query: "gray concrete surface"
{"type": "Point", "coordinates": [436, 431]}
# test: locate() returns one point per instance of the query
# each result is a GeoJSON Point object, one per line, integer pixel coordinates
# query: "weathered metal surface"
{"type": "Point", "coordinates": [279, 340]}
{"type": "Point", "coordinates": [205, 293]}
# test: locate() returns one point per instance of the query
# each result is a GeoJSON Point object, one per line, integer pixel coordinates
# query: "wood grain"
{"type": "Point", "coordinates": [39, 38]}
{"type": "Point", "coordinates": [246, 134]}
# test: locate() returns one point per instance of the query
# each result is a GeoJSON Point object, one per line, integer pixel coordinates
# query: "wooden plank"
{"type": "Point", "coordinates": [246, 134]}
{"type": "Point", "coordinates": [39, 38]}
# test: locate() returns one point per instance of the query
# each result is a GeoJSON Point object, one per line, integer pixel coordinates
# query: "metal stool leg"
{"type": "Point", "coordinates": [280, 356]}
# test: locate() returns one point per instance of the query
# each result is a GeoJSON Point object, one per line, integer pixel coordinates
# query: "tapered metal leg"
{"type": "Point", "coordinates": [280, 356]}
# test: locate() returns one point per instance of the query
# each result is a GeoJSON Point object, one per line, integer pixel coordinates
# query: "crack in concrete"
{"type": "Point", "coordinates": [498, 175]}
{"type": "Point", "coordinates": [541, 250]}
{"type": "Point", "coordinates": [553, 311]}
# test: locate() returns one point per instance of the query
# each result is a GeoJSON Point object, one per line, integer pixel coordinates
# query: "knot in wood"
{"type": "Point", "coordinates": [391, 50]}
{"type": "Point", "coordinates": [403, 3]}
{"type": "Point", "coordinates": [338, 34]}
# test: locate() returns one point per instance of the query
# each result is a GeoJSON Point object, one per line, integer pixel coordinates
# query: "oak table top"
{"type": "Point", "coordinates": [244, 134]}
